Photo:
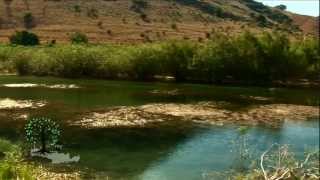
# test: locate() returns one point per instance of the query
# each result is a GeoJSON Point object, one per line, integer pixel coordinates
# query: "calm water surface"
{"type": "Point", "coordinates": [173, 151]}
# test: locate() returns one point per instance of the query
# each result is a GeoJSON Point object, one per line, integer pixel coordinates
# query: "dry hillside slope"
{"type": "Point", "coordinates": [132, 21]}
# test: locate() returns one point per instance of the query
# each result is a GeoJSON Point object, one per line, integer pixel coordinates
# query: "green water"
{"type": "Point", "coordinates": [171, 151]}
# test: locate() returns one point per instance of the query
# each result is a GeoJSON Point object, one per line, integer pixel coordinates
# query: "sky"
{"type": "Point", "coordinates": [305, 7]}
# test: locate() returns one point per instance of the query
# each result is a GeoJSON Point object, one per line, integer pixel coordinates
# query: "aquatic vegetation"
{"type": "Point", "coordinates": [247, 58]}
{"type": "Point", "coordinates": [43, 132]}
{"type": "Point", "coordinates": [31, 85]}
{"type": "Point", "coordinates": [8, 103]}
{"type": "Point", "coordinates": [202, 113]}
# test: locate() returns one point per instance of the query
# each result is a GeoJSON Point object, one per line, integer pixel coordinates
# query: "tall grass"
{"type": "Point", "coordinates": [246, 58]}
{"type": "Point", "coordinates": [12, 165]}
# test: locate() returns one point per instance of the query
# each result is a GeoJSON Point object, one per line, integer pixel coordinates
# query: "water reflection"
{"type": "Point", "coordinates": [209, 151]}
{"type": "Point", "coordinates": [56, 157]}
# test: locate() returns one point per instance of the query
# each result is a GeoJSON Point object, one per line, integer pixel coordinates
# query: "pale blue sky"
{"type": "Point", "coordinates": [306, 7]}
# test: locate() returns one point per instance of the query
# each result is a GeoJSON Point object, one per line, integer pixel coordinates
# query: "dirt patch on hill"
{"type": "Point", "coordinates": [204, 112]}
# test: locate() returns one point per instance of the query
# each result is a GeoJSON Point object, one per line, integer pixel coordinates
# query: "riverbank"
{"type": "Point", "coordinates": [15, 165]}
{"type": "Point", "coordinates": [266, 60]}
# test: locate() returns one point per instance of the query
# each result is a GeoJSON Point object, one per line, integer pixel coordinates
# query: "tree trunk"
{"type": "Point", "coordinates": [43, 142]}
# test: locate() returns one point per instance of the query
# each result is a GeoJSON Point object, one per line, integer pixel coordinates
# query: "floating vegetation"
{"type": "Point", "coordinates": [203, 112]}
{"type": "Point", "coordinates": [54, 86]}
{"type": "Point", "coordinates": [8, 103]}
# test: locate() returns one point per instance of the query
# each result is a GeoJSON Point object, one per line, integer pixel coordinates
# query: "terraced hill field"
{"type": "Point", "coordinates": [132, 21]}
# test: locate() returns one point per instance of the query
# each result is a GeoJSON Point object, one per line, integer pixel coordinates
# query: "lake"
{"type": "Point", "coordinates": [177, 150]}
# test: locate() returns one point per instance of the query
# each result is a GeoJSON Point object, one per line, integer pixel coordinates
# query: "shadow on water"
{"type": "Point", "coordinates": [99, 94]}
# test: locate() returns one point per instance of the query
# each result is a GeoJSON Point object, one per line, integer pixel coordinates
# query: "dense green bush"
{"type": "Point", "coordinates": [256, 6]}
{"type": "Point", "coordinates": [279, 17]}
{"type": "Point", "coordinates": [139, 5]}
{"type": "Point", "coordinates": [6, 64]}
{"type": "Point", "coordinates": [281, 7]}
{"type": "Point", "coordinates": [178, 58]}
{"type": "Point", "coordinates": [22, 63]}
{"type": "Point", "coordinates": [28, 20]}
{"type": "Point", "coordinates": [24, 38]}
{"type": "Point", "coordinates": [145, 62]}
{"type": "Point", "coordinates": [247, 58]}
{"type": "Point", "coordinates": [78, 38]}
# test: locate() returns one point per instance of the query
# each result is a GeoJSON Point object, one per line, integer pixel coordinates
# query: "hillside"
{"type": "Point", "coordinates": [134, 21]}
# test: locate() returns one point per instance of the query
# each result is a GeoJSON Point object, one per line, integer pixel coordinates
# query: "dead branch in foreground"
{"type": "Point", "coordinates": [292, 170]}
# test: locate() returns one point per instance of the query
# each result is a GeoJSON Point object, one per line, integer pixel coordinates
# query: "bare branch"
{"type": "Point", "coordinates": [262, 160]}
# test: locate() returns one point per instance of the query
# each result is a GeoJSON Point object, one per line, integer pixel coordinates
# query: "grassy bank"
{"type": "Point", "coordinates": [247, 59]}
{"type": "Point", "coordinates": [14, 164]}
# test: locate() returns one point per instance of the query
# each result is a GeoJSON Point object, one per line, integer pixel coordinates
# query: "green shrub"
{"type": "Point", "coordinates": [24, 38]}
{"type": "Point", "coordinates": [247, 58]}
{"type": "Point", "coordinates": [146, 62]}
{"type": "Point", "coordinates": [28, 20]}
{"type": "Point", "coordinates": [178, 59]}
{"type": "Point", "coordinates": [281, 7]}
{"type": "Point", "coordinates": [257, 6]}
{"type": "Point", "coordinates": [41, 63]}
{"type": "Point", "coordinates": [6, 53]}
{"type": "Point", "coordinates": [214, 60]}
{"type": "Point", "coordinates": [12, 165]}
{"type": "Point", "coordinates": [174, 26]}
{"type": "Point", "coordinates": [310, 51]}
{"type": "Point", "coordinates": [78, 38]}
{"type": "Point", "coordinates": [22, 62]}
{"type": "Point", "coordinates": [279, 17]}
{"type": "Point", "coordinates": [93, 13]}
{"type": "Point", "coordinates": [262, 20]}
{"type": "Point", "coordinates": [139, 5]}
{"type": "Point", "coordinates": [78, 61]}
{"type": "Point", "coordinates": [77, 8]}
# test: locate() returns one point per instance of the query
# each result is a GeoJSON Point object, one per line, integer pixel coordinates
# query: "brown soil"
{"type": "Point", "coordinates": [115, 21]}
